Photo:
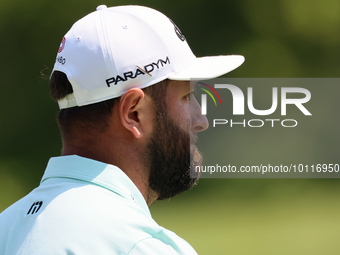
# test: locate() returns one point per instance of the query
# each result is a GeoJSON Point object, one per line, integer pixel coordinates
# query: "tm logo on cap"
{"type": "Point", "coordinates": [204, 97]}
{"type": "Point", "coordinates": [178, 31]}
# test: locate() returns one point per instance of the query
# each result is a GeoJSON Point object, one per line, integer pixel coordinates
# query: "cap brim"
{"type": "Point", "coordinates": [209, 67]}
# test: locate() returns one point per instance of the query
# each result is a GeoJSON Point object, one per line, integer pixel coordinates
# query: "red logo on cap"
{"type": "Point", "coordinates": [62, 45]}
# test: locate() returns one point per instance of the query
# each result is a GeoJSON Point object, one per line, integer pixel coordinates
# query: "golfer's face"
{"type": "Point", "coordinates": [172, 152]}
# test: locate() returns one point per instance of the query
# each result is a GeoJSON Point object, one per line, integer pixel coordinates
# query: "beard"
{"type": "Point", "coordinates": [172, 157]}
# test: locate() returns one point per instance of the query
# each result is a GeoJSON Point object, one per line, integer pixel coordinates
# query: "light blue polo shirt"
{"type": "Point", "coordinates": [85, 207]}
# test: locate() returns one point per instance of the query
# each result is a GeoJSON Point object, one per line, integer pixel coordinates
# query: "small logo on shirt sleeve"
{"type": "Point", "coordinates": [35, 207]}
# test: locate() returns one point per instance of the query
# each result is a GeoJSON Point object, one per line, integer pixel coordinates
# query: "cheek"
{"type": "Point", "coordinates": [178, 108]}
{"type": "Point", "coordinates": [180, 112]}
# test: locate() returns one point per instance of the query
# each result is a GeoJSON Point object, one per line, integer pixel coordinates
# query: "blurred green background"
{"type": "Point", "coordinates": [280, 38]}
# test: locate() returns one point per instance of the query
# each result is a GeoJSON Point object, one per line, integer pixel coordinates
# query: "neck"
{"type": "Point", "coordinates": [125, 156]}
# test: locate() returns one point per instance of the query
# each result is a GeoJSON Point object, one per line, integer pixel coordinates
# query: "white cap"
{"type": "Point", "coordinates": [114, 49]}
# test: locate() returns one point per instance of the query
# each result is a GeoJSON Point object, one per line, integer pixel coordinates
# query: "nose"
{"type": "Point", "coordinates": [199, 122]}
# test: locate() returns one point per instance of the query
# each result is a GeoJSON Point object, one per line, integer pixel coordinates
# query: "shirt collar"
{"type": "Point", "coordinates": [105, 175]}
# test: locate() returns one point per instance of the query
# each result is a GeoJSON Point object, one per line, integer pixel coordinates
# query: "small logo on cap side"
{"type": "Point", "coordinates": [178, 31]}
{"type": "Point", "coordinates": [62, 45]}
{"type": "Point", "coordinates": [61, 60]}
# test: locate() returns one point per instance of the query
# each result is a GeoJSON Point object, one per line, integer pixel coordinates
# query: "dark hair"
{"type": "Point", "coordinates": [94, 116]}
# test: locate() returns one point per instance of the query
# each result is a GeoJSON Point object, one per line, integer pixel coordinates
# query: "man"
{"type": "Point", "coordinates": [122, 81]}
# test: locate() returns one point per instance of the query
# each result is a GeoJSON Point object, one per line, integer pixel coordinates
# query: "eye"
{"type": "Point", "coordinates": [188, 95]}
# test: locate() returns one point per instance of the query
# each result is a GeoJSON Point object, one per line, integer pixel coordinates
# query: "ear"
{"type": "Point", "coordinates": [130, 110]}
